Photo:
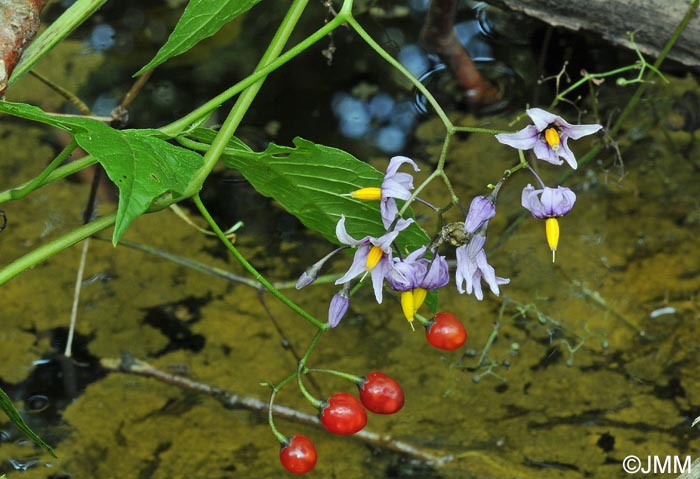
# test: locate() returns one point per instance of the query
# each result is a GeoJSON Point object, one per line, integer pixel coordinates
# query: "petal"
{"type": "Point", "coordinates": [476, 287]}
{"type": "Point", "coordinates": [544, 152]}
{"type": "Point", "coordinates": [488, 272]}
{"type": "Point", "coordinates": [462, 270]}
{"type": "Point", "coordinates": [522, 140]}
{"type": "Point", "coordinates": [397, 161]}
{"type": "Point", "coordinates": [531, 201]}
{"type": "Point", "coordinates": [577, 131]}
{"type": "Point", "coordinates": [343, 235]}
{"type": "Point", "coordinates": [542, 118]}
{"type": "Point", "coordinates": [481, 210]}
{"type": "Point", "coordinates": [475, 245]}
{"type": "Point", "coordinates": [378, 274]}
{"type": "Point", "coordinates": [438, 274]}
{"type": "Point", "coordinates": [397, 186]}
{"type": "Point", "coordinates": [384, 241]}
{"type": "Point", "coordinates": [567, 154]}
{"type": "Point", "coordinates": [358, 266]}
{"type": "Point", "coordinates": [388, 210]}
{"type": "Point", "coordinates": [563, 200]}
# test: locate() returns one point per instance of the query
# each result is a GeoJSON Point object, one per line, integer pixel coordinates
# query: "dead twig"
{"type": "Point", "coordinates": [129, 364]}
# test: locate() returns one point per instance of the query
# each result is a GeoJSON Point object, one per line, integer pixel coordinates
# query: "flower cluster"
{"type": "Point", "coordinates": [412, 276]}
{"type": "Point", "coordinates": [548, 138]}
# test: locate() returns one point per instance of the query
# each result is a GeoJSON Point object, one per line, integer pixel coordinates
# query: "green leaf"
{"type": "Point", "coordinates": [313, 183]}
{"type": "Point", "coordinates": [9, 408]}
{"type": "Point", "coordinates": [148, 171]}
{"type": "Point", "coordinates": [69, 20]}
{"type": "Point", "coordinates": [201, 19]}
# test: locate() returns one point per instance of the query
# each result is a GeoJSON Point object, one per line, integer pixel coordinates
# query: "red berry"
{"type": "Point", "coordinates": [445, 331]}
{"type": "Point", "coordinates": [381, 394]}
{"type": "Point", "coordinates": [298, 454]}
{"type": "Point", "coordinates": [343, 413]}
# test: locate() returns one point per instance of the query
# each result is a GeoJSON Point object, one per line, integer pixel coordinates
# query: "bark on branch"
{"type": "Point", "coordinates": [653, 21]}
{"type": "Point", "coordinates": [19, 22]}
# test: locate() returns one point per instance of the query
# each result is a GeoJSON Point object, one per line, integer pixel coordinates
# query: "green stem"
{"type": "Point", "coordinates": [240, 108]}
{"type": "Point", "coordinates": [57, 174]}
{"type": "Point", "coordinates": [398, 66]}
{"type": "Point", "coordinates": [302, 368]}
{"type": "Point", "coordinates": [353, 378]}
{"type": "Point", "coordinates": [34, 183]}
{"type": "Point", "coordinates": [590, 76]}
{"type": "Point", "coordinates": [251, 269]}
{"type": "Point", "coordinates": [47, 250]}
{"type": "Point", "coordinates": [422, 319]}
{"type": "Point", "coordinates": [183, 123]}
{"type": "Point", "coordinates": [275, 388]}
{"type": "Point", "coordinates": [473, 129]}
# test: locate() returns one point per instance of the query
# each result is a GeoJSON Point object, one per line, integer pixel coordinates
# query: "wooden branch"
{"type": "Point", "coordinates": [438, 36]}
{"type": "Point", "coordinates": [19, 22]}
{"type": "Point", "coordinates": [129, 364]}
{"type": "Point", "coordinates": [653, 21]}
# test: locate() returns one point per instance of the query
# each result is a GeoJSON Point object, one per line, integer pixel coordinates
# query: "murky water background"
{"type": "Point", "coordinates": [606, 362]}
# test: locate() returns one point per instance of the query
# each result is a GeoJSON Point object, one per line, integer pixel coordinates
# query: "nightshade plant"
{"type": "Point", "coordinates": [329, 190]}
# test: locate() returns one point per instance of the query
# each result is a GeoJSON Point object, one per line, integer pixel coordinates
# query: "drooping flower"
{"type": "Point", "coordinates": [373, 255]}
{"type": "Point", "coordinates": [550, 204]}
{"type": "Point", "coordinates": [340, 302]}
{"type": "Point", "coordinates": [414, 276]}
{"type": "Point", "coordinates": [472, 266]}
{"type": "Point", "coordinates": [548, 137]}
{"type": "Point", "coordinates": [481, 210]}
{"type": "Point", "coordinates": [395, 185]}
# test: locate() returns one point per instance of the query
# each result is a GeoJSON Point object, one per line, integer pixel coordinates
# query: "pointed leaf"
{"type": "Point", "coordinates": [144, 167]}
{"type": "Point", "coordinates": [201, 19]}
{"type": "Point", "coordinates": [313, 183]}
{"type": "Point", "coordinates": [9, 409]}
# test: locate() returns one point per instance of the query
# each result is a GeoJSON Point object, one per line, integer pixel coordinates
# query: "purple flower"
{"type": "Point", "coordinates": [373, 255]}
{"type": "Point", "coordinates": [481, 210]}
{"type": "Point", "coordinates": [414, 276]}
{"type": "Point", "coordinates": [338, 307]}
{"type": "Point", "coordinates": [548, 137]}
{"type": "Point", "coordinates": [395, 185]}
{"type": "Point", "coordinates": [416, 271]}
{"type": "Point", "coordinates": [548, 202]}
{"type": "Point", "coordinates": [471, 267]}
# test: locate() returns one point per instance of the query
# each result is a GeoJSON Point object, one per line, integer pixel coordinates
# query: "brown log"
{"type": "Point", "coordinates": [19, 22]}
{"type": "Point", "coordinates": [653, 22]}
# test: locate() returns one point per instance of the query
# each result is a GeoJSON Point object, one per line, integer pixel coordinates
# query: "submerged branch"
{"type": "Point", "coordinates": [129, 364]}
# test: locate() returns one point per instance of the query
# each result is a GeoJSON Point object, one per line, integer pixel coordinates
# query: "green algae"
{"type": "Point", "coordinates": [628, 248]}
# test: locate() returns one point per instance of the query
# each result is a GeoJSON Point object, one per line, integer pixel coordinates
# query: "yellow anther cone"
{"type": "Point", "coordinates": [369, 193]}
{"type": "Point", "coordinates": [419, 295]}
{"type": "Point", "coordinates": [373, 257]}
{"type": "Point", "coordinates": [407, 306]}
{"type": "Point", "coordinates": [551, 136]}
{"type": "Point", "coordinates": [552, 230]}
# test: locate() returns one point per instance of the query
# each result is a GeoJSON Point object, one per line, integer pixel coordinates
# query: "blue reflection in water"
{"type": "Point", "coordinates": [381, 119]}
{"type": "Point", "coordinates": [390, 139]}
{"type": "Point", "coordinates": [414, 59]}
{"type": "Point", "coordinates": [102, 37]}
{"type": "Point", "coordinates": [103, 105]}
